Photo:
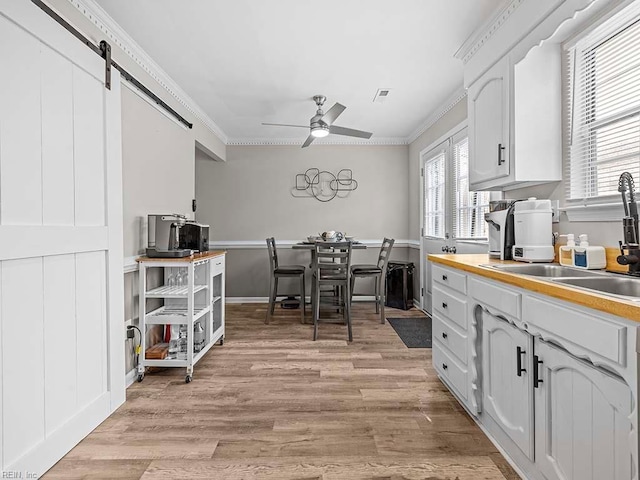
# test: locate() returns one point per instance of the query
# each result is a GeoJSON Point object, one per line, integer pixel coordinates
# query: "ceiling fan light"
{"type": "Point", "coordinates": [319, 132]}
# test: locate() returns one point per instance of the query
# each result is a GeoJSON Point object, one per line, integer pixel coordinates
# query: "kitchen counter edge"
{"type": "Point", "coordinates": [472, 263]}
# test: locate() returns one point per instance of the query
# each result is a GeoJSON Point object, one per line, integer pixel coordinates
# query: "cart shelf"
{"type": "Point", "coordinates": [174, 292]}
{"type": "Point", "coordinates": [170, 315]}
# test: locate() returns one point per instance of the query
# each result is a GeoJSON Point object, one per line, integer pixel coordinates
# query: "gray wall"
{"type": "Point", "coordinates": [248, 198]}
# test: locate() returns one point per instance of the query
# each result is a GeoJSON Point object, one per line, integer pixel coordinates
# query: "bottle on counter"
{"type": "Point", "coordinates": [587, 256]}
{"type": "Point", "coordinates": [565, 253]}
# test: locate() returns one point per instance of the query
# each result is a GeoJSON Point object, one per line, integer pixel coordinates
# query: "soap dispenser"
{"type": "Point", "coordinates": [565, 253]}
{"type": "Point", "coordinates": [590, 257]}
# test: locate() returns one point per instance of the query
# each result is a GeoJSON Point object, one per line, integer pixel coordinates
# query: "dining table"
{"type": "Point", "coordinates": [305, 245]}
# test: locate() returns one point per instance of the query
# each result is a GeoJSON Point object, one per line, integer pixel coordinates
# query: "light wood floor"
{"type": "Point", "coordinates": [273, 404]}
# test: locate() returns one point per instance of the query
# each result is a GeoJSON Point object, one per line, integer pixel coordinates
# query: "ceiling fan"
{"type": "Point", "coordinates": [321, 124]}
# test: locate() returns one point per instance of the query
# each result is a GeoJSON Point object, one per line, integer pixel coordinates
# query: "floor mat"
{"type": "Point", "coordinates": [414, 332]}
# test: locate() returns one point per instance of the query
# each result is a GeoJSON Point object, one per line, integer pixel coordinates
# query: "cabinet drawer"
{"type": "Point", "coordinates": [217, 265]}
{"type": "Point", "coordinates": [455, 280]}
{"type": "Point", "coordinates": [448, 368]}
{"type": "Point", "coordinates": [450, 337]}
{"type": "Point", "coordinates": [587, 331]}
{"type": "Point", "coordinates": [499, 298]}
{"type": "Point", "coordinates": [450, 306]}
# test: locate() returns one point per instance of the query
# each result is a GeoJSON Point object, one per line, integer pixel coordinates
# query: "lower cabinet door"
{"type": "Point", "coordinates": [507, 386]}
{"type": "Point", "coordinates": [582, 419]}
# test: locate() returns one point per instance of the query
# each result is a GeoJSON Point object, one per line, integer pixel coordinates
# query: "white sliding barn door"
{"type": "Point", "coordinates": [61, 286]}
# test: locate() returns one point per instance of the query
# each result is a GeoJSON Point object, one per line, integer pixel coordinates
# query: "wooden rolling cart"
{"type": "Point", "coordinates": [198, 297]}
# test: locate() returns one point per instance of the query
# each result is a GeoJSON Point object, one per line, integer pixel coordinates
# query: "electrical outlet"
{"type": "Point", "coordinates": [555, 208]}
{"type": "Point", "coordinates": [130, 333]}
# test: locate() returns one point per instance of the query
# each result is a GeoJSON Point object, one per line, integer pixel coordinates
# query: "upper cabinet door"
{"type": "Point", "coordinates": [489, 149]}
{"type": "Point", "coordinates": [507, 386]}
{"type": "Point", "coordinates": [582, 419]}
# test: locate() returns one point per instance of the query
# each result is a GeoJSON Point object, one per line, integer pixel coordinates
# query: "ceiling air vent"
{"type": "Point", "coordinates": [381, 95]}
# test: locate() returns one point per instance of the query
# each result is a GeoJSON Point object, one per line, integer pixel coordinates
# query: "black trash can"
{"type": "Point", "coordinates": [399, 285]}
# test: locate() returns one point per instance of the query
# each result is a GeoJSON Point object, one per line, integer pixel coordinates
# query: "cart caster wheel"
{"type": "Point", "coordinates": [140, 377]}
{"type": "Point", "coordinates": [188, 379]}
{"type": "Point", "coordinates": [222, 341]}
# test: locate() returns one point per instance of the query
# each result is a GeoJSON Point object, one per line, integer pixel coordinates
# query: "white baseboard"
{"type": "Point", "coordinates": [130, 377]}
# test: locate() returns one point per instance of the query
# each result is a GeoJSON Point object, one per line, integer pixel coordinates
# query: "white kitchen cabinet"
{"type": "Point", "coordinates": [581, 419]}
{"type": "Point", "coordinates": [557, 382]}
{"type": "Point", "coordinates": [507, 386]}
{"type": "Point", "coordinates": [515, 122]}
{"type": "Point", "coordinates": [199, 297]}
{"type": "Point", "coordinates": [488, 104]}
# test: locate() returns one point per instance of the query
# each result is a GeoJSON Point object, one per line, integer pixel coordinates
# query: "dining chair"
{"type": "Point", "coordinates": [332, 268]}
{"type": "Point", "coordinates": [378, 272]}
{"type": "Point", "coordinates": [279, 271]}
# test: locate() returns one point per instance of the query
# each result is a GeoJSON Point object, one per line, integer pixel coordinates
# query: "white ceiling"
{"type": "Point", "coordinates": [250, 61]}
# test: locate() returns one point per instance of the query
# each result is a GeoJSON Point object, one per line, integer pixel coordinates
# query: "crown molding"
{"type": "Point", "coordinates": [116, 34]}
{"type": "Point", "coordinates": [452, 101]}
{"type": "Point", "coordinates": [487, 30]}
{"type": "Point", "coordinates": [324, 141]}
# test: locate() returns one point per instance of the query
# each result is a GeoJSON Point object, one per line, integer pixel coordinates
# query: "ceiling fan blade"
{"type": "Point", "coordinates": [333, 113]}
{"type": "Point", "coordinates": [308, 141]}
{"type": "Point", "coordinates": [285, 125]}
{"type": "Point", "coordinates": [350, 132]}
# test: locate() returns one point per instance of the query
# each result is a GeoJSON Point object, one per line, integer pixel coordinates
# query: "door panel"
{"type": "Point", "coordinates": [88, 123]}
{"type": "Point", "coordinates": [57, 140]}
{"type": "Point", "coordinates": [22, 349]}
{"type": "Point", "coordinates": [507, 397]}
{"type": "Point", "coordinates": [20, 188]}
{"type": "Point", "coordinates": [582, 425]}
{"type": "Point", "coordinates": [60, 333]}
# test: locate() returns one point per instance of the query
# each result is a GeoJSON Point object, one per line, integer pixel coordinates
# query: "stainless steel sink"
{"type": "Point", "coordinates": [545, 270]}
{"type": "Point", "coordinates": [613, 285]}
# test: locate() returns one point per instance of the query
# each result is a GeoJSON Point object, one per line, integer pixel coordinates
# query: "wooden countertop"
{"type": "Point", "coordinates": [472, 263]}
{"type": "Point", "coordinates": [192, 258]}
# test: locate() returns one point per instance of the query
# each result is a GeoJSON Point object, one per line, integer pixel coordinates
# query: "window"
{"type": "Point", "coordinates": [449, 206]}
{"type": "Point", "coordinates": [434, 193]}
{"type": "Point", "coordinates": [603, 123]}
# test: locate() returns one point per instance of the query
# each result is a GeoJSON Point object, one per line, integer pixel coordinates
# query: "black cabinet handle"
{"type": "Point", "coordinates": [519, 353]}
{"type": "Point", "coordinates": [445, 249]}
{"type": "Point", "coordinates": [444, 335]}
{"type": "Point", "coordinates": [444, 366]}
{"type": "Point", "coordinates": [536, 371]}
{"type": "Point", "coordinates": [500, 156]}
{"type": "Point", "coordinates": [452, 249]}
{"type": "Point", "coordinates": [444, 277]}
{"type": "Point", "coordinates": [444, 305]}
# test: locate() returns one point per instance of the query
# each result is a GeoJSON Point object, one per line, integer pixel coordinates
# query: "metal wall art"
{"type": "Point", "coordinates": [323, 185]}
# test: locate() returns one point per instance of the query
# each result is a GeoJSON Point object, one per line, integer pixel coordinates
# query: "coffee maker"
{"type": "Point", "coordinates": [501, 229]}
{"type": "Point", "coordinates": [163, 236]}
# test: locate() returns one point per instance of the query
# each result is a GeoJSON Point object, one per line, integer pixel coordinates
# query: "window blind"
{"type": "Point", "coordinates": [602, 86]}
{"type": "Point", "coordinates": [435, 191]}
{"type": "Point", "coordinates": [468, 208]}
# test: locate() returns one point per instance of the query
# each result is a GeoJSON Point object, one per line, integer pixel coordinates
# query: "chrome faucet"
{"type": "Point", "coordinates": [629, 226]}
